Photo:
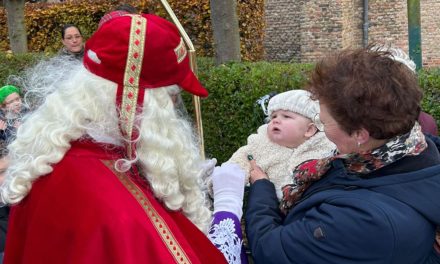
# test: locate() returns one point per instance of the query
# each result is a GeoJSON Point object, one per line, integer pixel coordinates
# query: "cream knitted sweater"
{"type": "Point", "coordinates": [278, 161]}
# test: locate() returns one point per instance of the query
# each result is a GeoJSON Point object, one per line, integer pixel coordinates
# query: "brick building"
{"type": "Point", "coordinates": [304, 30]}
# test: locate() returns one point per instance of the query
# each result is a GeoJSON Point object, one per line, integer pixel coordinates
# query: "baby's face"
{"type": "Point", "coordinates": [287, 128]}
{"type": "Point", "coordinates": [12, 103]}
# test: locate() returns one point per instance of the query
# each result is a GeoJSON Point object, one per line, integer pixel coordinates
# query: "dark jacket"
{"type": "Point", "coordinates": [4, 215]}
{"type": "Point", "coordinates": [388, 217]}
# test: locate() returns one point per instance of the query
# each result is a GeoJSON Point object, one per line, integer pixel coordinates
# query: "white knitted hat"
{"type": "Point", "coordinates": [297, 101]}
{"type": "Point", "coordinates": [399, 55]}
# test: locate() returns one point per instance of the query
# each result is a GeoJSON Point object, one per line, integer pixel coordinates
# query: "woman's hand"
{"type": "Point", "coordinates": [256, 172]}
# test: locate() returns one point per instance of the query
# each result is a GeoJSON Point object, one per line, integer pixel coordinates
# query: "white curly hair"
{"type": "Point", "coordinates": [73, 103]}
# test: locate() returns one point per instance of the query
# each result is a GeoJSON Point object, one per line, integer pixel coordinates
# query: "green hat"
{"type": "Point", "coordinates": [6, 90]}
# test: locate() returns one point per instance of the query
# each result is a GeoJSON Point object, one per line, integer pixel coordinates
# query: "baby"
{"type": "Point", "coordinates": [290, 138]}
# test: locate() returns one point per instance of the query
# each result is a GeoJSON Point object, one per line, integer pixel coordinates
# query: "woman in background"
{"type": "Point", "coordinates": [72, 42]}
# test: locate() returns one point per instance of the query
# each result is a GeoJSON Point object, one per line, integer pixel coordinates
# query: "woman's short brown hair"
{"type": "Point", "coordinates": [366, 88]}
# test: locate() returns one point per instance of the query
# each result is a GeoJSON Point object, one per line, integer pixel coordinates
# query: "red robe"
{"type": "Point", "coordinates": [85, 212]}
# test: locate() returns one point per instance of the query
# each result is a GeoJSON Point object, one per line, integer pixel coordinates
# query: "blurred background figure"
{"type": "Point", "coordinates": [72, 42]}
{"type": "Point", "coordinates": [11, 112]}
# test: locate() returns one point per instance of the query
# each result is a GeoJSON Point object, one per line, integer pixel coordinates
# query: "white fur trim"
{"type": "Point", "coordinates": [93, 56]}
{"type": "Point", "coordinates": [278, 161]}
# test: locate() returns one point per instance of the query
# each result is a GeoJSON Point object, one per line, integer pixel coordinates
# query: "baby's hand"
{"type": "Point", "coordinates": [256, 172]}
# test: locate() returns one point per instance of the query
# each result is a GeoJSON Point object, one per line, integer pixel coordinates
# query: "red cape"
{"type": "Point", "coordinates": [85, 212]}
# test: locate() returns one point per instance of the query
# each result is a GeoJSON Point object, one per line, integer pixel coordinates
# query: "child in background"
{"type": "Point", "coordinates": [12, 110]}
{"type": "Point", "coordinates": [290, 138]}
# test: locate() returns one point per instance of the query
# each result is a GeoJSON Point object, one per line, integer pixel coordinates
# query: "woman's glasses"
{"type": "Point", "coordinates": [69, 38]}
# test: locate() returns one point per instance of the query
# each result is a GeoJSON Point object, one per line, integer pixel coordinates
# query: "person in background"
{"type": "Point", "coordinates": [72, 39]}
{"type": "Point", "coordinates": [106, 171]}
{"type": "Point", "coordinates": [376, 200]}
{"type": "Point", "coordinates": [428, 123]}
{"type": "Point", "coordinates": [12, 111]}
{"type": "Point", "coordinates": [290, 138]}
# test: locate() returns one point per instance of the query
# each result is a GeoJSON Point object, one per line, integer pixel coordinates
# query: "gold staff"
{"type": "Point", "coordinates": [193, 65]}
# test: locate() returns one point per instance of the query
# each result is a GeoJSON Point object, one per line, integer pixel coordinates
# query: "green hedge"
{"type": "Point", "coordinates": [14, 64]}
{"type": "Point", "coordinates": [430, 82]}
{"type": "Point", "coordinates": [229, 114]}
{"type": "Point", "coordinates": [45, 20]}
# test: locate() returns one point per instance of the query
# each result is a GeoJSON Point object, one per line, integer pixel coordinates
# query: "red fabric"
{"type": "Point", "coordinates": [111, 15]}
{"type": "Point", "coordinates": [160, 65]}
{"type": "Point", "coordinates": [82, 213]}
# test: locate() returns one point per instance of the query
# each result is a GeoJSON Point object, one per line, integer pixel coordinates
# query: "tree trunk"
{"type": "Point", "coordinates": [16, 25]}
{"type": "Point", "coordinates": [225, 28]}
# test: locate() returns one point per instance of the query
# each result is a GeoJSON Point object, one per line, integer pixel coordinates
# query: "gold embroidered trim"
{"type": "Point", "coordinates": [180, 51]}
{"type": "Point", "coordinates": [132, 74]}
{"type": "Point", "coordinates": [161, 227]}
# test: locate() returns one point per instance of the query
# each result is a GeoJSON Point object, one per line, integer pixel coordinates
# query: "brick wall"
{"type": "Point", "coordinates": [304, 31]}
{"type": "Point", "coordinates": [321, 29]}
{"type": "Point", "coordinates": [430, 20]}
{"type": "Point", "coordinates": [282, 40]}
{"type": "Point", "coordinates": [389, 23]}
{"type": "Point", "coordinates": [352, 23]}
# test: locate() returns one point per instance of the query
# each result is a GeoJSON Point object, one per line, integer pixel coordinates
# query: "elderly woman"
{"type": "Point", "coordinates": [72, 42]}
{"type": "Point", "coordinates": [377, 199]}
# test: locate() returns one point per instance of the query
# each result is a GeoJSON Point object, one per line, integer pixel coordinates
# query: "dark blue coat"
{"type": "Point", "coordinates": [387, 217]}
